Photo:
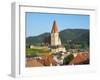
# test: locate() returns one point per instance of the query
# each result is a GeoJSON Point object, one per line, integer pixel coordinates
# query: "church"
{"type": "Point", "coordinates": [56, 45]}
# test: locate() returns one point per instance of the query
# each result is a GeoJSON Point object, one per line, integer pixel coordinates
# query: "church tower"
{"type": "Point", "coordinates": [55, 40]}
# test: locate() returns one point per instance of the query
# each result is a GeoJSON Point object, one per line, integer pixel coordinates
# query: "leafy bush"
{"type": "Point", "coordinates": [67, 59]}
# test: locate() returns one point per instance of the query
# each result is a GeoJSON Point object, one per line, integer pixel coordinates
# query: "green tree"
{"type": "Point", "coordinates": [67, 59]}
{"type": "Point", "coordinates": [67, 46]}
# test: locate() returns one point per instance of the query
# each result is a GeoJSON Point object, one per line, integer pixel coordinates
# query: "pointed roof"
{"type": "Point", "coordinates": [54, 27]}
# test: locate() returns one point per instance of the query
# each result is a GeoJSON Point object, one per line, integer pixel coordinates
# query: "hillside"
{"type": "Point", "coordinates": [73, 35]}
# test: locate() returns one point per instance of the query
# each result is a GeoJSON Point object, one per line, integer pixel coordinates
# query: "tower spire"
{"type": "Point", "coordinates": [55, 40]}
{"type": "Point", "coordinates": [54, 27]}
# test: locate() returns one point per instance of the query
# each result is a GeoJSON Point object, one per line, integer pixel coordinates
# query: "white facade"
{"type": "Point", "coordinates": [58, 50]}
{"type": "Point", "coordinates": [55, 40]}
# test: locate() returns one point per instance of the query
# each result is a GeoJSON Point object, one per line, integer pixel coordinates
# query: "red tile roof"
{"type": "Point", "coordinates": [81, 57]}
{"type": "Point", "coordinates": [47, 60]}
{"type": "Point", "coordinates": [33, 63]}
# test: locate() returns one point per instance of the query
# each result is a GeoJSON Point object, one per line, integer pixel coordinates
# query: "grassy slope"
{"type": "Point", "coordinates": [36, 51]}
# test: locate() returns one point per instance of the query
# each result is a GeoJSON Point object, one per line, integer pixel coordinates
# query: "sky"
{"type": "Point", "coordinates": [38, 23]}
